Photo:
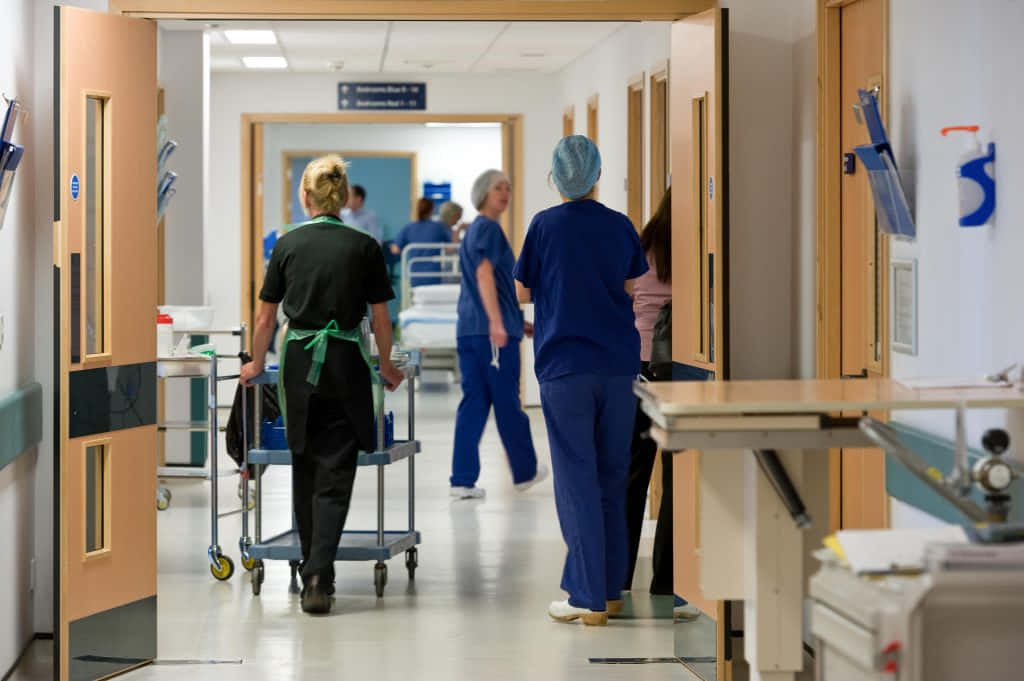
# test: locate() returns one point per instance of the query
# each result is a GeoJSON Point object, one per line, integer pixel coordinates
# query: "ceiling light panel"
{"type": "Point", "coordinates": [336, 36]}
{"type": "Point", "coordinates": [250, 36]}
{"type": "Point", "coordinates": [265, 62]}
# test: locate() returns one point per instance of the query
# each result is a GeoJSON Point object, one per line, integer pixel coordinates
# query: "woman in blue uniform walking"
{"type": "Point", "coordinates": [490, 329]}
{"type": "Point", "coordinates": [577, 265]}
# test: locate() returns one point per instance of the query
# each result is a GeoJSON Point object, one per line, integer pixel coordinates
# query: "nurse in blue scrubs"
{"type": "Point", "coordinates": [577, 265]}
{"type": "Point", "coordinates": [490, 329]}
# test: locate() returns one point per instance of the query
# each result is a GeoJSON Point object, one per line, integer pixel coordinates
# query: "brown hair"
{"type": "Point", "coordinates": [424, 209]}
{"type": "Point", "coordinates": [656, 238]}
{"type": "Point", "coordinates": [325, 182]}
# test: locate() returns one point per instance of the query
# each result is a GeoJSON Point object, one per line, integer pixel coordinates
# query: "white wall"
{"type": "Point", "coordinates": [805, 219]}
{"type": "Point", "coordinates": [607, 71]}
{"type": "Point", "coordinates": [17, 347]}
{"type": "Point", "coordinates": [233, 94]}
{"type": "Point", "coordinates": [964, 69]}
{"type": "Point", "coordinates": [456, 155]}
{"type": "Point", "coordinates": [183, 73]}
{"type": "Point", "coordinates": [771, 129]}
{"type": "Point", "coordinates": [183, 59]}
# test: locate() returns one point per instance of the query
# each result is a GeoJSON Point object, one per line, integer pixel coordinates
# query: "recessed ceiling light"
{"type": "Point", "coordinates": [250, 37]}
{"type": "Point", "coordinates": [265, 62]}
{"type": "Point", "coordinates": [533, 55]}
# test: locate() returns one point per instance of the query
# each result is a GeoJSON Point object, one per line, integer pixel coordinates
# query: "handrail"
{"type": "Point", "coordinates": [887, 438]}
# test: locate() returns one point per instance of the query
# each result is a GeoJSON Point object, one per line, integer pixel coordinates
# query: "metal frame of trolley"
{"type": "Point", "coordinates": [205, 366]}
{"type": "Point", "coordinates": [163, 494]}
{"type": "Point", "coordinates": [378, 545]}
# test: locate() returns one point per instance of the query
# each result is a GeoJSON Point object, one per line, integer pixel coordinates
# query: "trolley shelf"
{"type": "Point", "coordinates": [356, 545]}
{"type": "Point", "coordinates": [283, 457]}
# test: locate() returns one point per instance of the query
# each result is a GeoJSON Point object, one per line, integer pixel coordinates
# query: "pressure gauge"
{"type": "Point", "coordinates": [994, 474]}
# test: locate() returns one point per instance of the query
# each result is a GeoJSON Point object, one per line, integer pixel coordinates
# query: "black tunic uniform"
{"type": "Point", "coordinates": [323, 271]}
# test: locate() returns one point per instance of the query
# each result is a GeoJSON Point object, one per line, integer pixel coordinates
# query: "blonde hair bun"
{"type": "Point", "coordinates": [325, 182]}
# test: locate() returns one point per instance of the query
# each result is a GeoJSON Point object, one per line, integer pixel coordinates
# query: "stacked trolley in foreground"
{"type": "Point", "coordinates": [378, 545]}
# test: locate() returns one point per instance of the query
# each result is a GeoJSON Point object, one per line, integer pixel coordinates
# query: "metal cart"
{"type": "Point", "coordinates": [199, 366]}
{"type": "Point", "coordinates": [378, 545]}
{"type": "Point", "coordinates": [163, 495]}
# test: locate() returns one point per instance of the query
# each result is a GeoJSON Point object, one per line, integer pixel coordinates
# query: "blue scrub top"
{"type": "Point", "coordinates": [485, 239]}
{"type": "Point", "coordinates": [576, 260]}
{"type": "Point", "coordinates": [423, 232]}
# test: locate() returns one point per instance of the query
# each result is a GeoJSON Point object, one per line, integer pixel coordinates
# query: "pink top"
{"type": "Point", "coordinates": [649, 295]}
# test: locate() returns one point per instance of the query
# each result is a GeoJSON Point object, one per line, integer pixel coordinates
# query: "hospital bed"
{"type": "Point", "coordinates": [428, 317]}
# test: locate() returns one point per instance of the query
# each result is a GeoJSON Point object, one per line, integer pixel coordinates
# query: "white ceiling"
{"type": "Point", "coordinates": [408, 46]}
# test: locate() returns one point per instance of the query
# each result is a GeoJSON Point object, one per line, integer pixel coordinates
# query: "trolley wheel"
{"type": "Point", "coordinates": [412, 561]}
{"type": "Point", "coordinates": [225, 568]}
{"type": "Point", "coordinates": [248, 563]}
{"type": "Point", "coordinates": [257, 577]}
{"type": "Point", "coordinates": [380, 578]}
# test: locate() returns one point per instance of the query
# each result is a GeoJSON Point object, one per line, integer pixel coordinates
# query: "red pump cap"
{"type": "Point", "coordinates": [963, 128]}
{"type": "Point", "coordinates": [164, 319]}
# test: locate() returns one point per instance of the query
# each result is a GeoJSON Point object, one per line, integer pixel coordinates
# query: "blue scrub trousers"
{"type": "Point", "coordinates": [484, 386]}
{"type": "Point", "coordinates": [590, 427]}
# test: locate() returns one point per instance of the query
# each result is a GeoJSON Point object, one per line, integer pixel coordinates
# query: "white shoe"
{"type": "Point", "coordinates": [468, 492]}
{"type": "Point", "coordinates": [561, 611]}
{"type": "Point", "coordinates": [542, 474]}
{"type": "Point", "coordinates": [686, 613]}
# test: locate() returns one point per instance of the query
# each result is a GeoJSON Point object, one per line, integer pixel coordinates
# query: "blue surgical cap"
{"type": "Point", "coordinates": [575, 166]}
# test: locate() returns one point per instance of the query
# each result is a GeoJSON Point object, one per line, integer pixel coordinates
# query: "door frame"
{"type": "Point", "coordinates": [636, 149]}
{"type": "Point", "coordinates": [288, 154]}
{"type": "Point", "coordinates": [412, 10]}
{"type": "Point", "coordinates": [828, 242]}
{"type": "Point", "coordinates": [252, 130]}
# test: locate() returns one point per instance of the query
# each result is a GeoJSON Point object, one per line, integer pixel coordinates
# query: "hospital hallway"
{"type": "Point", "coordinates": [477, 610]}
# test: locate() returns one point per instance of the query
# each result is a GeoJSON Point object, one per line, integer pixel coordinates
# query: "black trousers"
{"type": "Point", "coordinates": [322, 479]}
{"type": "Point", "coordinates": [640, 468]}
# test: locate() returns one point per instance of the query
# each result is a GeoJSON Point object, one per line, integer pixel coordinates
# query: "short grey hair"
{"type": "Point", "coordinates": [484, 184]}
{"type": "Point", "coordinates": [450, 212]}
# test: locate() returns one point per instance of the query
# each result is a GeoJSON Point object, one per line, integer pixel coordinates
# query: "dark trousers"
{"type": "Point", "coordinates": [322, 479]}
{"type": "Point", "coordinates": [483, 386]}
{"type": "Point", "coordinates": [641, 466]}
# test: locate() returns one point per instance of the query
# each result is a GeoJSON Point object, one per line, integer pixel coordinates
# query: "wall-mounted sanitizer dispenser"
{"type": "Point", "coordinates": [976, 184]}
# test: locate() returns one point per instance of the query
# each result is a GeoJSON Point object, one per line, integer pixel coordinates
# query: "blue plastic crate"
{"type": "Point", "coordinates": [389, 431]}
{"type": "Point", "coordinates": [272, 435]}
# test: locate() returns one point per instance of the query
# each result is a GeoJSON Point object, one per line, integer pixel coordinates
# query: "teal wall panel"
{"type": "Point", "coordinates": [21, 422]}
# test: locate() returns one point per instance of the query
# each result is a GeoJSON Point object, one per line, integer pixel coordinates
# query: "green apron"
{"type": "Point", "coordinates": [318, 341]}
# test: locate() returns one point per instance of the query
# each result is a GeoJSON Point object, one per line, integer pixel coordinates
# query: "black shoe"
{"type": "Point", "coordinates": [330, 586]}
{"type": "Point", "coordinates": [315, 597]}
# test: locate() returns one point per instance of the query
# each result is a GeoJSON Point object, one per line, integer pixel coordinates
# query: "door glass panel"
{"type": "Point", "coordinates": [96, 471]}
{"type": "Point", "coordinates": [95, 230]}
{"type": "Point", "coordinates": [700, 219]}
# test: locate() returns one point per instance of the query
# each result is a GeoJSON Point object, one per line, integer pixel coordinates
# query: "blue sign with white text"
{"type": "Point", "coordinates": [382, 96]}
{"type": "Point", "coordinates": [75, 187]}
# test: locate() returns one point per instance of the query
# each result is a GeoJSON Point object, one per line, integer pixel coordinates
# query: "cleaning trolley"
{"type": "Point", "coordinates": [377, 545]}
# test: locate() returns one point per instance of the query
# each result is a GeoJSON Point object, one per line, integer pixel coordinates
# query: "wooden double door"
{"type": "Point", "coordinates": [105, 297]}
